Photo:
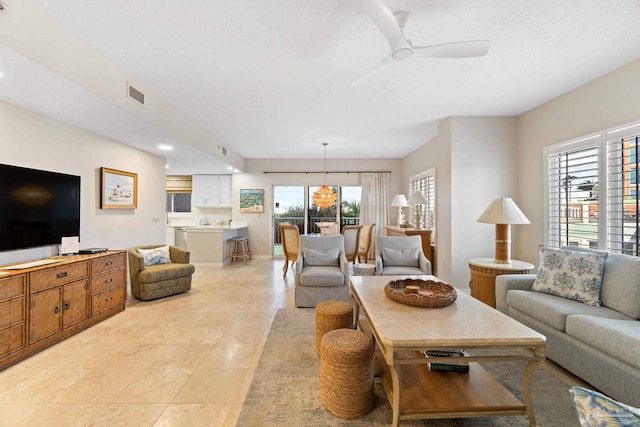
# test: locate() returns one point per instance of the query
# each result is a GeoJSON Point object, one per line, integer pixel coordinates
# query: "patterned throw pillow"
{"type": "Point", "coordinates": [155, 256]}
{"type": "Point", "coordinates": [570, 274]}
{"type": "Point", "coordinates": [597, 410]}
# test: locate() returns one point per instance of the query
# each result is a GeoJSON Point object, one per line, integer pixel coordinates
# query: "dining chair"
{"type": "Point", "coordinates": [366, 237]}
{"type": "Point", "coordinates": [351, 234]}
{"type": "Point", "coordinates": [290, 244]}
{"type": "Point", "coordinates": [334, 230]}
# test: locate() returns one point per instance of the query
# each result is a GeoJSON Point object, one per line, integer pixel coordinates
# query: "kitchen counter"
{"type": "Point", "coordinates": [209, 244]}
{"type": "Point", "coordinates": [214, 228]}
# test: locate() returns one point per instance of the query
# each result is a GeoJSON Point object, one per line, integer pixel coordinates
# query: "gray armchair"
{"type": "Point", "coordinates": [399, 256]}
{"type": "Point", "coordinates": [322, 271]}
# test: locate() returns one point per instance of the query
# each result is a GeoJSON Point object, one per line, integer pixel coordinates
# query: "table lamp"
{"type": "Point", "coordinates": [417, 198]}
{"type": "Point", "coordinates": [503, 212]}
{"type": "Point", "coordinates": [399, 201]}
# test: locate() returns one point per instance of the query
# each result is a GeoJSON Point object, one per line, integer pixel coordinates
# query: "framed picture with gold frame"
{"type": "Point", "coordinates": [119, 189]}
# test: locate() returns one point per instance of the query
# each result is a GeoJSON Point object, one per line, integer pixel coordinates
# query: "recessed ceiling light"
{"type": "Point", "coordinates": [236, 171]}
{"type": "Point", "coordinates": [166, 166]}
{"type": "Point", "coordinates": [166, 147]}
{"type": "Point", "coordinates": [229, 168]}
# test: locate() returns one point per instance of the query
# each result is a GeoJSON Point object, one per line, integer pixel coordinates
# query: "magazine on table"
{"type": "Point", "coordinates": [459, 365]}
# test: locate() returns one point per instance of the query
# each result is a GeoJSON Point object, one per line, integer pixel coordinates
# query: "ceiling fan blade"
{"type": "Point", "coordinates": [368, 73]}
{"type": "Point", "coordinates": [383, 19]}
{"type": "Point", "coordinates": [464, 49]}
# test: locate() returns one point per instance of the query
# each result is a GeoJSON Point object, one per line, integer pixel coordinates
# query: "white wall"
{"type": "Point", "coordinates": [260, 225]}
{"type": "Point", "coordinates": [609, 101]}
{"type": "Point", "coordinates": [436, 154]}
{"type": "Point", "coordinates": [473, 158]}
{"type": "Point", "coordinates": [31, 140]}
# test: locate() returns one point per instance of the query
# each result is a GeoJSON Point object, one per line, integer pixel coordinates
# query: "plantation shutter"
{"type": "Point", "coordinates": [426, 184]}
{"type": "Point", "coordinates": [572, 190]}
{"type": "Point", "coordinates": [623, 190]}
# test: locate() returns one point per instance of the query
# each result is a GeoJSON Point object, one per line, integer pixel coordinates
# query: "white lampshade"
{"type": "Point", "coordinates": [417, 198]}
{"type": "Point", "coordinates": [399, 201]}
{"type": "Point", "coordinates": [503, 211]}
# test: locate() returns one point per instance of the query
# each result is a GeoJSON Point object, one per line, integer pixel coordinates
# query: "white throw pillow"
{"type": "Point", "coordinates": [156, 256]}
{"type": "Point", "coordinates": [322, 257]}
{"type": "Point", "coordinates": [570, 274]}
{"type": "Point", "coordinates": [400, 257]}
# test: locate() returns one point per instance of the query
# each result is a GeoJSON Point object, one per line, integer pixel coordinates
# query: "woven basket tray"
{"type": "Point", "coordinates": [443, 294]}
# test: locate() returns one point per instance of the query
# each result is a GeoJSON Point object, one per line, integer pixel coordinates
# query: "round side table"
{"type": "Point", "coordinates": [364, 269]}
{"type": "Point", "coordinates": [483, 277]}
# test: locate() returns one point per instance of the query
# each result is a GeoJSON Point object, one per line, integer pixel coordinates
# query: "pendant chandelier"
{"type": "Point", "coordinates": [325, 197]}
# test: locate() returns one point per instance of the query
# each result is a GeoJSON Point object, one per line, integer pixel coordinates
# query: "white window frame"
{"type": "Point", "coordinates": [603, 140]}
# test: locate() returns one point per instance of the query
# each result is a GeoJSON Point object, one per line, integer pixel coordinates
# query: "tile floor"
{"type": "Point", "coordinates": [185, 360]}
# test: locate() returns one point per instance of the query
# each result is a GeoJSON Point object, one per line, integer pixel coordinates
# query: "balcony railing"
{"type": "Point", "coordinates": [313, 228]}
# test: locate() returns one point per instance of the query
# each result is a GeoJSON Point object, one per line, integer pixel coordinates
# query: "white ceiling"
{"type": "Point", "coordinates": [272, 79]}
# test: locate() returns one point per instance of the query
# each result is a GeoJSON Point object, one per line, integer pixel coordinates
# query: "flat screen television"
{"type": "Point", "coordinates": [37, 208]}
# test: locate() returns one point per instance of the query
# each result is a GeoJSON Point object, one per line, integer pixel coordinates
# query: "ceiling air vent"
{"type": "Point", "coordinates": [222, 149]}
{"type": "Point", "coordinates": [136, 95]}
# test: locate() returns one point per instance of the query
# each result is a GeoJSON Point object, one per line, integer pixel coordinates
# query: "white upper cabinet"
{"type": "Point", "coordinates": [212, 191]}
{"type": "Point", "coordinates": [224, 185]}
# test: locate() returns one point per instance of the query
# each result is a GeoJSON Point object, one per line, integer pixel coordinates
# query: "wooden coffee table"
{"type": "Point", "coordinates": [402, 332]}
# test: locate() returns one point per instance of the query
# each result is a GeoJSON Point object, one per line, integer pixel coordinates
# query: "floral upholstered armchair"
{"type": "Point", "coordinates": [158, 271]}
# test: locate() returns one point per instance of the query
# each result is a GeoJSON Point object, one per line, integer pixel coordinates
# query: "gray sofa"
{"type": "Point", "coordinates": [601, 345]}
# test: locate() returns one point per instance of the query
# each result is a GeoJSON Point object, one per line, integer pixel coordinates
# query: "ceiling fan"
{"type": "Point", "coordinates": [391, 25]}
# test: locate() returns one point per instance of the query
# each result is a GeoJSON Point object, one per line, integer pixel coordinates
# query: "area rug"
{"type": "Point", "coordinates": [286, 384]}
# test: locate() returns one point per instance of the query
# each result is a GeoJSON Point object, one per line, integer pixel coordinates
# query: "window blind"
{"type": "Point", "coordinates": [426, 184]}
{"type": "Point", "coordinates": [179, 183]}
{"type": "Point", "coordinates": [623, 189]}
{"type": "Point", "coordinates": [585, 174]}
{"type": "Point", "coordinates": [573, 196]}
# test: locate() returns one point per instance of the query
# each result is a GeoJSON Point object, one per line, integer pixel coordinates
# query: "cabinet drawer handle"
{"type": "Point", "coordinates": [56, 309]}
{"type": "Point", "coordinates": [61, 275]}
{"type": "Point", "coordinates": [109, 280]}
{"type": "Point", "coordinates": [108, 299]}
{"type": "Point", "coordinates": [108, 263]}
{"type": "Point", "coordinates": [67, 306]}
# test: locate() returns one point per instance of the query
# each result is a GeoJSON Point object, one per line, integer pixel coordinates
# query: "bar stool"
{"type": "Point", "coordinates": [239, 248]}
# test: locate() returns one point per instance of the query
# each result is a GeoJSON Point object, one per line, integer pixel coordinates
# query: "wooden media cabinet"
{"type": "Point", "coordinates": [42, 305]}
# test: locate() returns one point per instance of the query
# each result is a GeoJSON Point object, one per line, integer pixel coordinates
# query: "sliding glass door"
{"type": "Point", "coordinates": [295, 205]}
{"type": "Point", "coordinates": [317, 215]}
{"type": "Point", "coordinates": [289, 207]}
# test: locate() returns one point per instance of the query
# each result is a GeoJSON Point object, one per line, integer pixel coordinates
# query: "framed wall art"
{"type": "Point", "coordinates": [252, 201]}
{"type": "Point", "coordinates": [119, 189]}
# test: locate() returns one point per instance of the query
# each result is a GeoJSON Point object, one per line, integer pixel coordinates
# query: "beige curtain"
{"type": "Point", "coordinates": [374, 207]}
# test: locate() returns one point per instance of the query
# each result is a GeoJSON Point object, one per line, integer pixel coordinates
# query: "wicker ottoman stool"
{"type": "Point", "coordinates": [346, 373]}
{"type": "Point", "coordinates": [332, 315]}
